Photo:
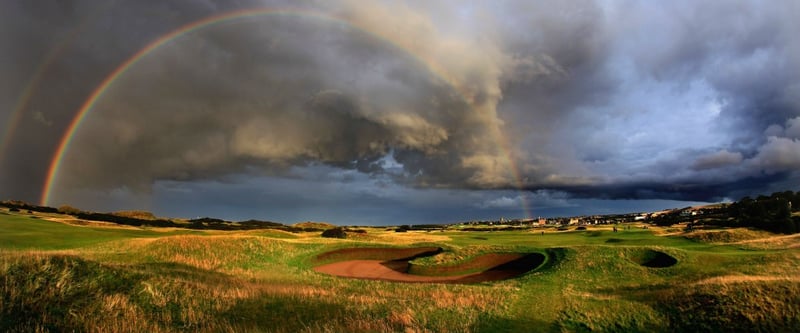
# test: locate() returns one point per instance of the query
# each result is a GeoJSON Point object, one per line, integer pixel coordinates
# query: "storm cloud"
{"type": "Point", "coordinates": [575, 100]}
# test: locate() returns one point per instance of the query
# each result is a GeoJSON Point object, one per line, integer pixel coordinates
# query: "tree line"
{"type": "Point", "coordinates": [776, 213]}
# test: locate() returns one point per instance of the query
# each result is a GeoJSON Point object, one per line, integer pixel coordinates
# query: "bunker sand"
{"type": "Point", "coordinates": [393, 265]}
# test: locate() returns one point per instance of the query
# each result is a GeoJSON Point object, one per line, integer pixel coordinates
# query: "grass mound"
{"type": "Point", "coordinates": [768, 306]}
{"type": "Point", "coordinates": [518, 263]}
{"type": "Point", "coordinates": [727, 235]}
{"type": "Point", "coordinates": [62, 278]}
{"type": "Point", "coordinates": [314, 225]}
{"type": "Point", "coordinates": [653, 259]}
{"type": "Point", "coordinates": [58, 292]}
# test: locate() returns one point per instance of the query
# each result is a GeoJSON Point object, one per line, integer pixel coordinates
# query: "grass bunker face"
{"type": "Point", "coordinates": [653, 259]}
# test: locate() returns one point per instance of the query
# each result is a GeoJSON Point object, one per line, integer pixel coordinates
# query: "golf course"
{"type": "Point", "coordinates": [60, 273]}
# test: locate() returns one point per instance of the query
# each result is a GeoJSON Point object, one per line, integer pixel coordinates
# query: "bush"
{"type": "Point", "coordinates": [337, 232]}
{"type": "Point", "coordinates": [69, 210]}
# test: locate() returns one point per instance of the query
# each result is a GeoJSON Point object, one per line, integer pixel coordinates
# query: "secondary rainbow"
{"type": "Point", "coordinates": [53, 170]}
{"type": "Point", "coordinates": [33, 83]}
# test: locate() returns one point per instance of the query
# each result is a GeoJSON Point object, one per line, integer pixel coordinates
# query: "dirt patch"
{"type": "Point", "coordinates": [393, 265]}
{"type": "Point", "coordinates": [653, 259]}
{"type": "Point", "coordinates": [378, 253]}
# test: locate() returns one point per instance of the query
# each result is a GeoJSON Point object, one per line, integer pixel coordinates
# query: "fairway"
{"type": "Point", "coordinates": [31, 232]}
{"type": "Point", "coordinates": [58, 276]}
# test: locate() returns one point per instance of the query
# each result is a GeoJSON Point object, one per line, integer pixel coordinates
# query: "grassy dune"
{"type": "Point", "coordinates": [58, 277]}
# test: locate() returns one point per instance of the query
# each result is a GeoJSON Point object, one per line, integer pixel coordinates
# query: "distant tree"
{"type": "Point", "coordinates": [69, 210]}
{"type": "Point", "coordinates": [667, 219]}
{"type": "Point", "coordinates": [772, 213]}
{"type": "Point", "coordinates": [795, 200]}
{"type": "Point", "coordinates": [337, 232]}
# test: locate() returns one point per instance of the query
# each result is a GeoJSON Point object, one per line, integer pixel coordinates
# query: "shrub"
{"type": "Point", "coordinates": [337, 232]}
{"type": "Point", "coordinates": [69, 210]}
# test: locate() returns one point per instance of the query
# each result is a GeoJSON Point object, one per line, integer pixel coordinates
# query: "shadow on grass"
{"type": "Point", "coordinates": [484, 268]}
{"type": "Point", "coordinates": [754, 306]}
{"type": "Point", "coordinates": [180, 271]}
{"type": "Point", "coordinates": [493, 323]}
{"type": "Point", "coordinates": [289, 313]}
{"type": "Point", "coordinates": [44, 292]}
{"type": "Point", "coordinates": [652, 259]}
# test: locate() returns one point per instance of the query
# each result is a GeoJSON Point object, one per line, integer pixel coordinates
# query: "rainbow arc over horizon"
{"type": "Point", "coordinates": [53, 171]}
{"type": "Point", "coordinates": [39, 74]}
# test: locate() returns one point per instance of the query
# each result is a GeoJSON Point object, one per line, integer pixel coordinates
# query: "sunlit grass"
{"type": "Point", "coordinates": [60, 277]}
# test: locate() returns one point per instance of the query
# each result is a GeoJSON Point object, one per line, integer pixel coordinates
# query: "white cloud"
{"type": "Point", "coordinates": [502, 202]}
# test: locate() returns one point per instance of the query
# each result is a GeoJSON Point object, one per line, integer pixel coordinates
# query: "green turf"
{"type": "Point", "coordinates": [592, 280]}
{"type": "Point", "coordinates": [25, 232]}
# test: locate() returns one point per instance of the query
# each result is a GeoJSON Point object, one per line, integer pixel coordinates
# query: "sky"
{"type": "Point", "coordinates": [387, 113]}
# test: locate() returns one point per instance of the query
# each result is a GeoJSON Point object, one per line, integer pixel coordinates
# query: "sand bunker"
{"type": "Point", "coordinates": [393, 265]}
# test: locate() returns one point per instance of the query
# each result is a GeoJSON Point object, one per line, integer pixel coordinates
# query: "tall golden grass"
{"type": "Point", "coordinates": [217, 283]}
{"type": "Point", "coordinates": [245, 282]}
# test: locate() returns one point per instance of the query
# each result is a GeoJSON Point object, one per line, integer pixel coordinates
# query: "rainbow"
{"type": "Point", "coordinates": [25, 97]}
{"type": "Point", "coordinates": [30, 88]}
{"type": "Point", "coordinates": [433, 68]}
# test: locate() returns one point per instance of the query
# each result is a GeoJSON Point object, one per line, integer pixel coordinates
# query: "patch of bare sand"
{"type": "Point", "coordinates": [395, 271]}
{"type": "Point", "coordinates": [379, 270]}
{"type": "Point", "coordinates": [363, 263]}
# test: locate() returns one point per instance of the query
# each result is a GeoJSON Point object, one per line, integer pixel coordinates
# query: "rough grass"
{"type": "Point", "coordinates": [727, 235]}
{"type": "Point", "coordinates": [57, 277]}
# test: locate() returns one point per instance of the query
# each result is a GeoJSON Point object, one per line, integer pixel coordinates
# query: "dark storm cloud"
{"type": "Point", "coordinates": [679, 100]}
{"type": "Point", "coordinates": [662, 100]}
{"type": "Point", "coordinates": [292, 90]}
{"type": "Point", "coordinates": [59, 51]}
{"type": "Point", "coordinates": [717, 160]}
